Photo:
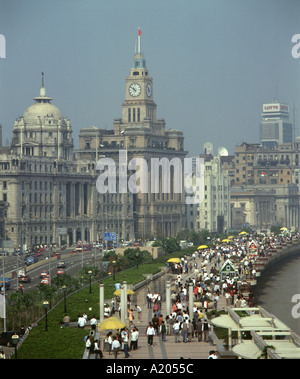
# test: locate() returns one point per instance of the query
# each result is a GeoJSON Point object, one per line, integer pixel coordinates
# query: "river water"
{"type": "Point", "coordinates": [275, 289]}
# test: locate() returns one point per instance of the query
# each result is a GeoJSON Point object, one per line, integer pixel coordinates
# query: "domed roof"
{"type": "Point", "coordinates": [41, 108]}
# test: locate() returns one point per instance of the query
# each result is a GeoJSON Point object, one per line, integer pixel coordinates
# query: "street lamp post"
{"type": "Point", "coordinates": [46, 303]}
{"type": "Point", "coordinates": [15, 340]}
{"type": "Point", "coordinates": [114, 270]}
{"type": "Point", "coordinates": [64, 288]}
{"type": "Point", "coordinates": [90, 274]}
{"type": "Point", "coordinates": [137, 259]}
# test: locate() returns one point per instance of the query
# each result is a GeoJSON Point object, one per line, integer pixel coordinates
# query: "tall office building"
{"type": "Point", "coordinates": [141, 136]}
{"type": "Point", "coordinates": [275, 127]}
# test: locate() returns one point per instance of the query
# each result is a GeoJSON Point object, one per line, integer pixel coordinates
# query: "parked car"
{"type": "Point", "coordinates": [6, 338]}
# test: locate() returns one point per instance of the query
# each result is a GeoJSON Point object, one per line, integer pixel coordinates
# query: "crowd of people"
{"type": "Point", "coordinates": [202, 269]}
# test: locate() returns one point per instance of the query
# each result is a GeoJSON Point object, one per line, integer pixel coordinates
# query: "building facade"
{"type": "Point", "coordinates": [268, 177]}
{"type": "Point", "coordinates": [50, 188]}
{"type": "Point", "coordinates": [146, 141]}
{"type": "Point", "coordinates": [275, 127]}
{"type": "Point", "coordinates": [213, 212]}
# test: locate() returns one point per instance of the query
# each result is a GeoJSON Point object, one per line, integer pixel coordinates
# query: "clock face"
{"type": "Point", "coordinates": [134, 89]}
{"type": "Point", "coordinates": [148, 90]}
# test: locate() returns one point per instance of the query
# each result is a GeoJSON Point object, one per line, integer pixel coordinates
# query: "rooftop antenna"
{"type": "Point", "coordinates": [276, 93]}
{"type": "Point", "coordinates": [139, 40]}
{"type": "Point", "coordinates": [42, 79]}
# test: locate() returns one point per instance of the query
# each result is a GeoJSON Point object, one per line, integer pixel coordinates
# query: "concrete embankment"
{"type": "Point", "coordinates": [273, 260]}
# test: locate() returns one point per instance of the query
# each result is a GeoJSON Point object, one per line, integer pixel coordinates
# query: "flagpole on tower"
{"type": "Point", "coordinates": [139, 40]}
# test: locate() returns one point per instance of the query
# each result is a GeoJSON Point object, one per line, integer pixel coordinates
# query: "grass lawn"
{"type": "Point", "coordinates": [67, 342]}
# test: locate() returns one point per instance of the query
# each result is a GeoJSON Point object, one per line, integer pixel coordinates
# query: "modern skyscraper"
{"type": "Point", "coordinates": [275, 127]}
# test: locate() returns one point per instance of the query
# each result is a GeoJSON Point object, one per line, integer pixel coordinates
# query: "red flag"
{"type": "Point", "coordinates": [140, 32]}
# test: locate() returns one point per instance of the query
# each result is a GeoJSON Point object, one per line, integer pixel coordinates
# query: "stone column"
{"type": "Point", "coordinates": [191, 301]}
{"type": "Point", "coordinates": [122, 304]}
{"type": "Point", "coordinates": [125, 301]}
{"type": "Point", "coordinates": [168, 297]}
{"type": "Point", "coordinates": [101, 301]}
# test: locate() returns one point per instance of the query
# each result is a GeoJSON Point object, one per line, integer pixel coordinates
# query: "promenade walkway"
{"type": "Point", "coordinates": [168, 349]}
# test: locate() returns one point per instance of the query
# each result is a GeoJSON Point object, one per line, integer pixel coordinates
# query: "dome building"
{"type": "Point", "coordinates": [43, 131]}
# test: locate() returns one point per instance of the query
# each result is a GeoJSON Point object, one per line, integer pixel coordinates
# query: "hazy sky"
{"type": "Point", "coordinates": [213, 63]}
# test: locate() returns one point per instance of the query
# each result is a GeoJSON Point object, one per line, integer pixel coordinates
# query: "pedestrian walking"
{"type": "Point", "coordinates": [216, 299]}
{"type": "Point", "coordinates": [130, 316]}
{"type": "Point", "coordinates": [199, 330]}
{"type": "Point", "coordinates": [115, 346]}
{"type": "Point", "coordinates": [108, 342]}
{"type": "Point", "coordinates": [138, 309]}
{"type": "Point", "coordinates": [205, 330]}
{"type": "Point", "coordinates": [93, 323]}
{"type": "Point", "coordinates": [190, 331]}
{"type": "Point", "coordinates": [97, 349]}
{"type": "Point", "coordinates": [169, 323]}
{"type": "Point", "coordinates": [134, 339]}
{"type": "Point", "coordinates": [125, 341]}
{"type": "Point", "coordinates": [163, 331]}
{"type": "Point", "coordinates": [184, 331]}
{"type": "Point", "coordinates": [150, 332]}
{"type": "Point", "coordinates": [149, 300]}
{"type": "Point", "coordinates": [176, 330]}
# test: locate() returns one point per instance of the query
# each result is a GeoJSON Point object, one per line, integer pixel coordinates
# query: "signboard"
{"type": "Point", "coordinates": [275, 107]}
{"type": "Point", "coordinates": [110, 236]}
{"type": "Point", "coordinates": [252, 245]}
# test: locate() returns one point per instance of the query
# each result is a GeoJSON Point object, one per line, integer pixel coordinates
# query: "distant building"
{"type": "Point", "coordinates": [142, 136]}
{"type": "Point", "coordinates": [275, 127]}
{"type": "Point", "coordinates": [265, 185]}
{"type": "Point", "coordinates": [213, 212]}
{"type": "Point", "coordinates": [50, 188]}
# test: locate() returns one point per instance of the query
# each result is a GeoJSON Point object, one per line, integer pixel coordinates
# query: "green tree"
{"type": "Point", "coordinates": [170, 245]}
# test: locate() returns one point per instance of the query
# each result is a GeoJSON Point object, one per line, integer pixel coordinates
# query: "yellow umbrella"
{"type": "Point", "coordinates": [111, 323]}
{"type": "Point", "coordinates": [202, 247]}
{"type": "Point", "coordinates": [243, 233]}
{"type": "Point", "coordinates": [174, 260]}
{"type": "Point", "coordinates": [283, 228]}
{"type": "Point", "coordinates": [226, 240]}
{"type": "Point", "coordinates": [118, 292]}
{"type": "Point", "coordinates": [229, 237]}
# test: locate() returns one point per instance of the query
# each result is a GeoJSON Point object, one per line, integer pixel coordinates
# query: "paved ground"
{"type": "Point", "coordinates": [168, 349]}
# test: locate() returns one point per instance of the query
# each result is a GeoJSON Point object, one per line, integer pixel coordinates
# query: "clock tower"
{"type": "Point", "coordinates": [138, 107]}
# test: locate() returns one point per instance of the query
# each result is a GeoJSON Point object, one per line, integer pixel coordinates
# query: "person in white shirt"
{"type": "Point", "coordinates": [176, 329]}
{"type": "Point", "coordinates": [150, 332]}
{"type": "Point", "coordinates": [134, 339]}
{"type": "Point", "coordinates": [115, 346]}
{"type": "Point", "coordinates": [93, 322]}
{"type": "Point", "coordinates": [149, 299]}
{"type": "Point", "coordinates": [139, 312]}
{"type": "Point", "coordinates": [81, 322]}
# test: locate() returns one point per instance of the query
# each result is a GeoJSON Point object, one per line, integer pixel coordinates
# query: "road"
{"type": "Point", "coordinates": [74, 263]}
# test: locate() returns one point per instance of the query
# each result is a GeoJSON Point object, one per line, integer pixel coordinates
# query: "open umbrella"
{"type": "Point", "coordinates": [202, 247]}
{"type": "Point", "coordinates": [111, 323]}
{"type": "Point", "coordinates": [229, 237]}
{"type": "Point", "coordinates": [174, 260]}
{"type": "Point", "coordinates": [283, 228]}
{"type": "Point", "coordinates": [226, 240]}
{"type": "Point", "coordinates": [243, 233]}
{"type": "Point", "coordinates": [118, 292]}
